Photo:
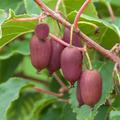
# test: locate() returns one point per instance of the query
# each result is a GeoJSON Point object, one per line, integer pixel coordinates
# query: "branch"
{"type": "Point", "coordinates": [64, 43]}
{"type": "Point", "coordinates": [57, 6]}
{"type": "Point", "coordinates": [48, 92]}
{"type": "Point", "coordinates": [84, 37]}
{"type": "Point", "coordinates": [80, 12]}
{"type": "Point", "coordinates": [31, 79]}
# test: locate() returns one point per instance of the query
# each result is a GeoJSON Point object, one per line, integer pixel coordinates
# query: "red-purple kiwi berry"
{"type": "Point", "coordinates": [76, 39]}
{"type": "Point", "coordinates": [54, 63]}
{"type": "Point", "coordinates": [78, 94]}
{"type": "Point", "coordinates": [42, 31]}
{"type": "Point", "coordinates": [71, 64]}
{"type": "Point", "coordinates": [91, 87]}
{"type": "Point", "coordinates": [40, 51]}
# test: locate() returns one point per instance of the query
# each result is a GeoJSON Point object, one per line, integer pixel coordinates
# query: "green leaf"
{"type": "Point", "coordinates": [71, 5]}
{"type": "Point", "coordinates": [3, 16]}
{"type": "Point", "coordinates": [116, 103]}
{"type": "Point", "coordinates": [102, 113]}
{"type": "Point", "coordinates": [33, 9]}
{"type": "Point", "coordinates": [17, 47]}
{"type": "Point", "coordinates": [85, 112]}
{"type": "Point", "coordinates": [7, 4]}
{"type": "Point", "coordinates": [9, 92]}
{"type": "Point", "coordinates": [114, 115]}
{"type": "Point", "coordinates": [22, 108]}
{"type": "Point", "coordinates": [108, 34]}
{"type": "Point", "coordinates": [8, 67]}
{"type": "Point", "coordinates": [27, 68]}
{"type": "Point", "coordinates": [12, 29]}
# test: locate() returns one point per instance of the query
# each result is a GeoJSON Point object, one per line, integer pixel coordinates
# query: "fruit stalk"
{"type": "Point", "coordinates": [64, 43]}
{"type": "Point", "coordinates": [60, 82]}
{"type": "Point", "coordinates": [57, 5]}
{"type": "Point", "coordinates": [80, 12]}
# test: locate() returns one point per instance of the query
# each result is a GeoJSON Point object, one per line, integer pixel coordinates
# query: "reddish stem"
{"type": "Point", "coordinates": [85, 38]}
{"type": "Point", "coordinates": [80, 12]}
{"type": "Point", "coordinates": [48, 92]}
{"type": "Point", "coordinates": [64, 43]}
{"type": "Point", "coordinates": [57, 5]}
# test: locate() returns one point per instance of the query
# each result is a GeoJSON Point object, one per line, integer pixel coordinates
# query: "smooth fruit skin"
{"type": "Point", "coordinates": [40, 52]}
{"type": "Point", "coordinates": [54, 63]}
{"type": "Point", "coordinates": [78, 94]}
{"type": "Point", "coordinates": [42, 31]}
{"type": "Point", "coordinates": [76, 38]}
{"type": "Point", "coordinates": [91, 87]}
{"type": "Point", "coordinates": [71, 64]}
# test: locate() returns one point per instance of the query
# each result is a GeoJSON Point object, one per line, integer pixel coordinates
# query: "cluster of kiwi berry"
{"type": "Point", "coordinates": [47, 53]}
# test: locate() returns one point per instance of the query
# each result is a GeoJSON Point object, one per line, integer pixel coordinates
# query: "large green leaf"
{"type": "Point", "coordinates": [108, 34]}
{"type": "Point", "coordinates": [33, 9]}
{"type": "Point", "coordinates": [12, 29]}
{"type": "Point", "coordinates": [17, 47]}
{"type": "Point", "coordinates": [85, 112]}
{"type": "Point", "coordinates": [3, 16]}
{"type": "Point", "coordinates": [8, 67]}
{"type": "Point", "coordinates": [9, 92]}
{"type": "Point", "coordinates": [58, 111]}
{"type": "Point", "coordinates": [7, 4]}
{"type": "Point", "coordinates": [71, 5]}
{"type": "Point", "coordinates": [22, 108]}
{"type": "Point", "coordinates": [114, 115]}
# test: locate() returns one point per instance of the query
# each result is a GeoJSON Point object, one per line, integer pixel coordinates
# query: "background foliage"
{"type": "Point", "coordinates": [18, 100]}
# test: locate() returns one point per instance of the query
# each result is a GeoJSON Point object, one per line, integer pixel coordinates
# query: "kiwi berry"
{"type": "Point", "coordinates": [91, 87]}
{"type": "Point", "coordinates": [40, 52]}
{"type": "Point", "coordinates": [54, 63]}
{"type": "Point", "coordinates": [71, 64]}
{"type": "Point", "coordinates": [42, 31]}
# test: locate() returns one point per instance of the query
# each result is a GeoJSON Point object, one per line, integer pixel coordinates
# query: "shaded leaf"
{"type": "Point", "coordinates": [9, 92]}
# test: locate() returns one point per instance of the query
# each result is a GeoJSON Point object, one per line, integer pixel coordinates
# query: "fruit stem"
{"type": "Point", "coordinates": [80, 12]}
{"type": "Point", "coordinates": [88, 57]}
{"type": "Point", "coordinates": [110, 11]}
{"type": "Point", "coordinates": [57, 5]}
{"type": "Point", "coordinates": [64, 43]}
{"type": "Point", "coordinates": [64, 87]}
{"type": "Point", "coordinates": [71, 35]}
{"type": "Point", "coordinates": [48, 92]}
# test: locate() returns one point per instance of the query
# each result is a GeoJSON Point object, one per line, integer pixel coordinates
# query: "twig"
{"type": "Point", "coordinates": [84, 37]}
{"type": "Point", "coordinates": [31, 79]}
{"type": "Point", "coordinates": [80, 12]}
{"type": "Point", "coordinates": [57, 5]}
{"type": "Point", "coordinates": [64, 87]}
{"type": "Point", "coordinates": [64, 100]}
{"type": "Point", "coordinates": [48, 92]}
{"type": "Point", "coordinates": [87, 55]}
{"type": "Point", "coordinates": [110, 11]}
{"type": "Point", "coordinates": [64, 43]}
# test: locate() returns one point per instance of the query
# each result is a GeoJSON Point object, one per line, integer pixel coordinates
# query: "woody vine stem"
{"type": "Point", "coordinates": [84, 37]}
